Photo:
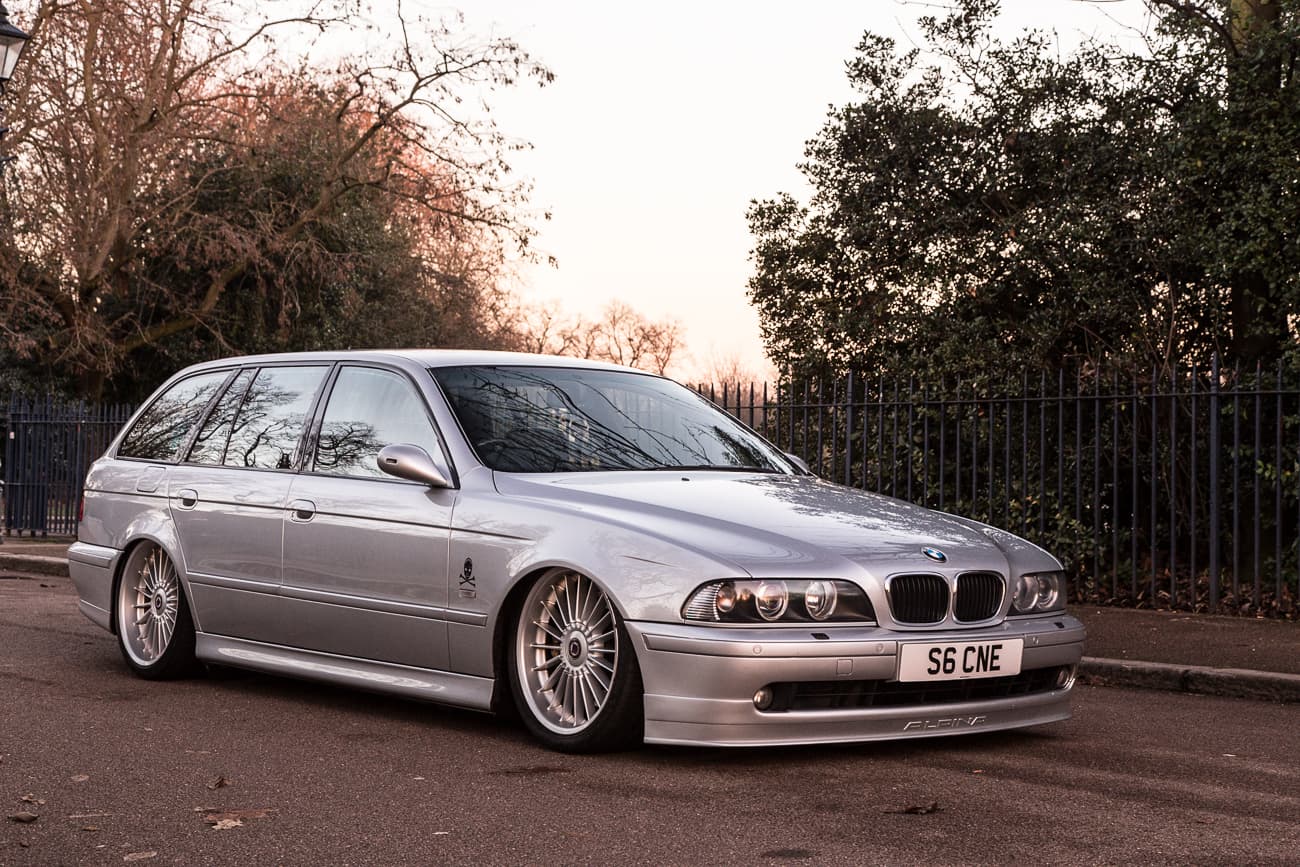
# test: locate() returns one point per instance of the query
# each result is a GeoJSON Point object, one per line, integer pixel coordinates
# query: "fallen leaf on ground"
{"type": "Point", "coordinates": [227, 824]}
{"type": "Point", "coordinates": [24, 817]}
{"type": "Point", "coordinates": [919, 809]}
{"type": "Point", "coordinates": [213, 817]}
{"type": "Point", "coordinates": [80, 778]}
{"type": "Point", "coordinates": [89, 828]}
{"type": "Point", "coordinates": [29, 798]}
{"type": "Point", "coordinates": [978, 771]}
{"type": "Point", "coordinates": [139, 856]}
{"type": "Point", "coordinates": [218, 783]}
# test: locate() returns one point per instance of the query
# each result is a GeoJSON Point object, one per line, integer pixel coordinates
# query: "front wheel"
{"type": "Point", "coordinates": [573, 672]}
{"type": "Point", "coordinates": [154, 628]}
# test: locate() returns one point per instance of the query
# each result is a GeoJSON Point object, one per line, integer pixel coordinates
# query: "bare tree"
{"type": "Point", "coordinates": [120, 100]}
{"type": "Point", "coordinates": [730, 370]}
{"type": "Point", "coordinates": [620, 335]}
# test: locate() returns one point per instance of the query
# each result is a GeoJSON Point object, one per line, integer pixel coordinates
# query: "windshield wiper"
{"type": "Point", "coordinates": [730, 468]}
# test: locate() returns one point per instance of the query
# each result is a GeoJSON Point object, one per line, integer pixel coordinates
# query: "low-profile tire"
{"type": "Point", "coordinates": [154, 629]}
{"type": "Point", "coordinates": [573, 672]}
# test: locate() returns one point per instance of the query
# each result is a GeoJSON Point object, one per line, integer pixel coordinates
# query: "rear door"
{"type": "Point", "coordinates": [227, 500]}
{"type": "Point", "coordinates": [365, 554]}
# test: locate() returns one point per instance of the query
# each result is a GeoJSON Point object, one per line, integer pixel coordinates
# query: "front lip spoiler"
{"type": "Point", "coordinates": [804, 728]}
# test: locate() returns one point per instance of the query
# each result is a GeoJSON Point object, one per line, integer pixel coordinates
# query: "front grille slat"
{"type": "Point", "coordinates": [979, 596]}
{"type": "Point", "coordinates": [854, 694]}
{"type": "Point", "coordinates": [918, 599]}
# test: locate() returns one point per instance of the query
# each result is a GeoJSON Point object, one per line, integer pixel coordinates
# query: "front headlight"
{"type": "Point", "coordinates": [1038, 593]}
{"type": "Point", "coordinates": [776, 601]}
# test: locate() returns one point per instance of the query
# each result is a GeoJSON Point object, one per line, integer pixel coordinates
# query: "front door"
{"type": "Point", "coordinates": [365, 554]}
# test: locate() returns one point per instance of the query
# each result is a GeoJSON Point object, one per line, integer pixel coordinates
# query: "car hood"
{"type": "Point", "coordinates": [781, 525]}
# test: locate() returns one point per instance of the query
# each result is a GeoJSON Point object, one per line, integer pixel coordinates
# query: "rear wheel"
{"type": "Point", "coordinates": [572, 669]}
{"type": "Point", "coordinates": [154, 627]}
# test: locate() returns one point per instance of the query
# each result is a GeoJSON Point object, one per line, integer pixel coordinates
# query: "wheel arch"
{"type": "Point", "coordinates": [507, 614]}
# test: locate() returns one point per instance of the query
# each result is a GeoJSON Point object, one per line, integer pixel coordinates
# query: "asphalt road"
{"type": "Point", "coordinates": [120, 770]}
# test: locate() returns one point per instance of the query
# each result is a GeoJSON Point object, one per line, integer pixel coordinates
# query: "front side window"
{"type": "Point", "coordinates": [555, 419]}
{"type": "Point", "coordinates": [268, 427]}
{"type": "Point", "coordinates": [367, 410]}
{"type": "Point", "coordinates": [162, 429]}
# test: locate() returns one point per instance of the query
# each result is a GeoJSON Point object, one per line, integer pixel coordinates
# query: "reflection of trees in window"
{"type": "Point", "coordinates": [210, 444]}
{"type": "Point", "coordinates": [162, 428]}
{"type": "Point", "coordinates": [544, 420]}
{"type": "Point", "coordinates": [347, 448]}
{"type": "Point", "coordinates": [367, 410]}
{"type": "Point", "coordinates": [270, 421]}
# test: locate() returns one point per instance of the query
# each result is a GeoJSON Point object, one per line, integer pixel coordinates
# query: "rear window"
{"type": "Point", "coordinates": [163, 428]}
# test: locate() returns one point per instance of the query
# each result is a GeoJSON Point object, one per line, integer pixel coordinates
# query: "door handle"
{"type": "Point", "coordinates": [189, 498]}
{"type": "Point", "coordinates": [302, 510]}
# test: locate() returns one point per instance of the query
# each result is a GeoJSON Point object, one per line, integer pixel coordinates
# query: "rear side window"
{"type": "Point", "coordinates": [162, 429]}
{"type": "Point", "coordinates": [269, 424]}
{"type": "Point", "coordinates": [369, 409]}
{"type": "Point", "coordinates": [210, 444]}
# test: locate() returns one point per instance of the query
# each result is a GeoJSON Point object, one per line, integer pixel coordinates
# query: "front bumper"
{"type": "Point", "coordinates": [700, 682]}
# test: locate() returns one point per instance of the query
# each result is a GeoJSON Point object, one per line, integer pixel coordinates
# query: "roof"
{"type": "Point", "coordinates": [422, 357]}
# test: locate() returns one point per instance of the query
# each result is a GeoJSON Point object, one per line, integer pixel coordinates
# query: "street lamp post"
{"type": "Point", "coordinates": [12, 43]}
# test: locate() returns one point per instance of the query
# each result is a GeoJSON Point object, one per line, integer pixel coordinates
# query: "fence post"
{"type": "Point", "coordinates": [1214, 484]}
{"type": "Point", "coordinates": [848, 430]}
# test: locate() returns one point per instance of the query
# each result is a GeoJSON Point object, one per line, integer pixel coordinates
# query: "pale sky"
{"type": "Point", "coordinates": [666, 119]}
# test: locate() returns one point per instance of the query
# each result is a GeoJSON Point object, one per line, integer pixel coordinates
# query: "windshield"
{"type": "Point", "coordinates": [556, 419]}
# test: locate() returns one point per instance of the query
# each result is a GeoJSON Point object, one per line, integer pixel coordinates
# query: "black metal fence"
{"type": "Point", "coordinates": [1179, 489]}
{"type": "Point", "coordinates": [48, 446]}
{"type": "Point", "coordinates": [1175, 489]}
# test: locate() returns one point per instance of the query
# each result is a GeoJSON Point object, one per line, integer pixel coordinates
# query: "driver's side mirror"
{"type": "Point", "coordinates": [410, 462]}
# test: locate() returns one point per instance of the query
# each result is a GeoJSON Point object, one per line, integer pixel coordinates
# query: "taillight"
{"type": "Point", "coordinates": [81, 509]}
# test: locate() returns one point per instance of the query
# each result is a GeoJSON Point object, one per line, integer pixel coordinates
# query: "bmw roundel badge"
{"type": "Point", "coordinates": [934, 554]}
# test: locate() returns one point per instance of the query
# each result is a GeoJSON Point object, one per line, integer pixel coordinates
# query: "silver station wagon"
{"type": "Point", "coordinates": [600, 549]}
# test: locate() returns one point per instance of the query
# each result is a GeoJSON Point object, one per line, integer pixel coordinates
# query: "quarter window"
{"type": "Point", "coordinates": [162, 429]}
{"type": "Point", "coordinates": [369, 409]}
{"type": "Point", "coordinates": [268, 427]}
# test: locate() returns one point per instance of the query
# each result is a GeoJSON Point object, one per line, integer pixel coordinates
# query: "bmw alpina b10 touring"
{"type": "Point", "coordinates": [600, 548]}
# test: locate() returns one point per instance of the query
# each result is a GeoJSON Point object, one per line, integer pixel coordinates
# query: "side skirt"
{"type": "Point", "coordinates": [424, 684]}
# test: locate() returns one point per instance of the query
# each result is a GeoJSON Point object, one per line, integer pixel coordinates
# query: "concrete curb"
{"type": "Point", "coordinates": [34, 563]}
{"type": "Point", "coordinates": [1229, 682]}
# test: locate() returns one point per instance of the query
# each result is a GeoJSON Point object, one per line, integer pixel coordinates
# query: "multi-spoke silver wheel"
{"type": "Point", "coordinates": [148, 606]}
{"type": "Point", "coordinates": [567, 651]}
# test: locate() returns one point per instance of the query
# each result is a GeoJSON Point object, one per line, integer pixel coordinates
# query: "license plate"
{"type": "Point", "coordinates": [959, 660]}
